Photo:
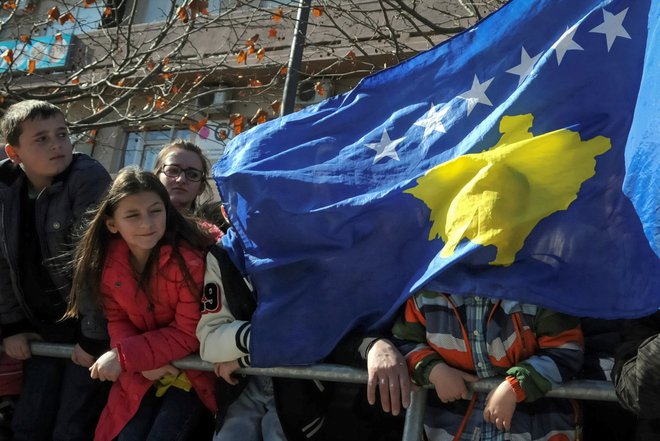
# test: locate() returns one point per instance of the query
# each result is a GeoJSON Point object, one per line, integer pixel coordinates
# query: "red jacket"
{"type": "Point", "coordinates": [149, 336]}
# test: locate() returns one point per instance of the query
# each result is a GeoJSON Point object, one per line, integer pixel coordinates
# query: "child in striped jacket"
{"type": "Point", "coordinates": [451, 340]}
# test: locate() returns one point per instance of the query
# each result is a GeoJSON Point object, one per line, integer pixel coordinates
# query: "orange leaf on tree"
{"type": "Point", "coordinates": [53, 13]}
{"type": "Point", "coordinates": [165, 61]}
{"type": "Point", "coordinates": [283, 70]}
{"type": "Point", "coordinates": [166, 75]}
{"type": "Point", "coordinates": [260, 117]}
{"type": "Point", "coordinates": [319, 88]}
{"type": "Point", "coordinates": [67, 17]}
{"type": "Point", "coordinates": [277, 16]}
{"type": "Point", "coordinates": [25, 38]}
{"type": "Point", "coordinates": [11, 4]}
{"type": "Point", "coordinates": [350, 55]}
{"type": "Point", "coordinates": [32, 65]}
{"type": "Point", "coordinates": [88, 3]}
{"type": "Point", "coordinates": [241, 57]}
{"type": "Point", "coordinates": [107, 12]}
{"type": "Point", "coordinates": [8, 56]}
{"type": "Point", "coordinates": [150, 64]}
{"type": "Point", "coordinates": [252, 40]}
{"type": "Point", "coordinates": [255, 83]}
{"type": "Point", "coordinates": [182, 13]}
{"type": "Point", "coordinates": [251, 50]}
{"type": "Point", "coordinates": [317, 11]}
{"type": "Point", "coordinates": [75, 80]}
{"type": "Point", "coordinates": [29, 9]}
{"type": "Point", "coordinates": [260, 53]}
{"type": "Point", "coordinates": [198, 79]}
{"type": "Point", "coordinates": [121, 83]}
{"type": "Point", "coordinates": [161, 103]}
{"type": "Point", "coordinates": [276, 106]}
{"type": "Point", "coordinates": [58, 37]}
{"type": "Point", "coordinates": [198, 126]}
{"type": "Point", "coordinates": [237, 121]}
{"type": "Point", "coordinates": [222, 134]}
{"type": "Point", "coordinates": [175, 90]}
{"type": "Point", "coordinates": [272, 33]}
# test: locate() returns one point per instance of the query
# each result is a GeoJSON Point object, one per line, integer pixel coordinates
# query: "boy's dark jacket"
{"type": "Point", "coordinates": [58, 208]}
{"type": "Point", "coordinates": [636, 374]}
{"type": "Point", "coordinates": [301, 404]}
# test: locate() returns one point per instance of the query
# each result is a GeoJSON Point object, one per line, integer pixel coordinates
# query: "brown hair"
{"type": "Point", "coordinates": [28, 110]}
{"type": "Point", "coordinates": [90, 252]}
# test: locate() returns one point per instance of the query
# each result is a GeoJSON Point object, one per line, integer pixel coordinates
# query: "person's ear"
{"type": "Point", "coordinates": [12, 153]}
{"type": "Point", "coordinates": [110, 225]}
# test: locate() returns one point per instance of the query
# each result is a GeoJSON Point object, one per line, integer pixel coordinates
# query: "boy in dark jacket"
{"type": "Point", "coordinates": [44, 191]}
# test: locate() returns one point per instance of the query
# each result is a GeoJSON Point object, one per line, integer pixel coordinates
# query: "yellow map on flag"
{"type": "Point", "coordinates": [498, 196]}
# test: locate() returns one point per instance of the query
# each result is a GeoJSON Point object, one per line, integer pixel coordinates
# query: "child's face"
{"type": "Point", "coordinates": [140, 219]}
{"type": "Point", "coordinates": [44, 149]}
{"type": "Point", "coordinates": [182, 190]}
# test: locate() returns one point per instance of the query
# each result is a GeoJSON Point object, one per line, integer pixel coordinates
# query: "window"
{"type": "Point", "coordinates": [142, 147]}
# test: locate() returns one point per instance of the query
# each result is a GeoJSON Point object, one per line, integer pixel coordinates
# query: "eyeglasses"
{"type": "Point", "coordinates": [174, 171]}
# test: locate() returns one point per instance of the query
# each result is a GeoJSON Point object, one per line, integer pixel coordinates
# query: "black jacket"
{"type": "Point", "coordinates": [636, 374]}
{"type": "Point", "coordinates": [58, 208]}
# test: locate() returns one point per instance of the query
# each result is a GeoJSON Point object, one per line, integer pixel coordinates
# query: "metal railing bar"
{"type": "Point", "coordinates": [413, 426]}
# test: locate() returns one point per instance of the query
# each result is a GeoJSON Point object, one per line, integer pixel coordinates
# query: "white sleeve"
{"type": "Point", "coordinates": [221, 336]}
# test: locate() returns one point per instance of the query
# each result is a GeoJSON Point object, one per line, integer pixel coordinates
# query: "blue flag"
{"type": "Point", "coordinates": [491, 165]}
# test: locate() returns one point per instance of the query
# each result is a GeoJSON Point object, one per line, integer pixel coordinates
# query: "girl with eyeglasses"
{"type": "Point", "coordinates": [182, 168]}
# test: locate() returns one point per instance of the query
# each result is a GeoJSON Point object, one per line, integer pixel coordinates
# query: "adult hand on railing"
{"type": "Point", "coordinates": [80, 357]}
{"type": "Point", "coordinates": [18, 345]}
{"type": "Point", "coordinates": [388, 372]}
{"type": "Point", "coordinates": [107, 367]}
{"type": "Point", "coordinates": [157, 374]}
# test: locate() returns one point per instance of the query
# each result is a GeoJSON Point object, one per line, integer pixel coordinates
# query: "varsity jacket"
{"type": "Point", "coordinates": [58, 209]}
{"type": "Point", "coordinates": [534, 348]}
{"type": "Point", "coordinates": [228, 302]}
{"type": "Point", "coordinates": [636, 374]}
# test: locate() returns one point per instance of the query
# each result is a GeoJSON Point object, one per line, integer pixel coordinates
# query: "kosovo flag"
{"type": "Point", "coordinates": [518, 160]}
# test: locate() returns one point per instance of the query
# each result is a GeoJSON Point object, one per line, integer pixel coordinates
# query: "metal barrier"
{"type": "Point", "coordinates": [412, 431]}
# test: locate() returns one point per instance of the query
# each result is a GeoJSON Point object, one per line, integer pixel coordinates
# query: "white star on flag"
{"type": "Point", "coordinates": [566, 43]}
{"type": "Point", "coordinates": [612, 27]}
{"type": "Point", "coordinates": [477, 94]}
{"type": "Point", "coordinates": [386, 147]}
{"type": "Point", "coordinates": [525, 66]}
{"type": "Point", "coordinates": [432, 122]}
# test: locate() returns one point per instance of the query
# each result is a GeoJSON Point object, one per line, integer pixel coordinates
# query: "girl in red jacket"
{"type": "Point", "coordinates": [142, 263]}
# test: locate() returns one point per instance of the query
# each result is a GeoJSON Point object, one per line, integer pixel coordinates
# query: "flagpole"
{"type": "Point", "coordinates": [295, 58]}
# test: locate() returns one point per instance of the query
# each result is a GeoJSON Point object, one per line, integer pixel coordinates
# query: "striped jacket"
{"type": "Point", "coordinates": [534, 347]}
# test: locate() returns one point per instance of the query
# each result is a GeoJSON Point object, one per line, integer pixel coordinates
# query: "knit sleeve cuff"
{"type": "Point", "coordinates": [515, 385]}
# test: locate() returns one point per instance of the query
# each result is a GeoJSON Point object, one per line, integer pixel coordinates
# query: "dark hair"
{"type": "Point", "coordinates": [28, 110]}
{"type": "Point", "coordinates": [189, 147]}
{"type": "Point", "coordinates": [90, 252]}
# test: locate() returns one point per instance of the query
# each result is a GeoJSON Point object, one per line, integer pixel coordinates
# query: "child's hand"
{"type": "Point", "coordinates": [449, 382]}
{"type": "Point", "coordinates": [18, 346]}
{"type": "Point", "coordinates": [388, 371]}
{"type": "Point", "coordinates": [81, 357]}
{"type": "Point", "coordinates": [500, 406]}
{"type": "Point", "coordinates": [107, 367]}
{"type": "Point", "coordinates": [157, 374]}
{"type": "Point", "coordinates": [225, 370]}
